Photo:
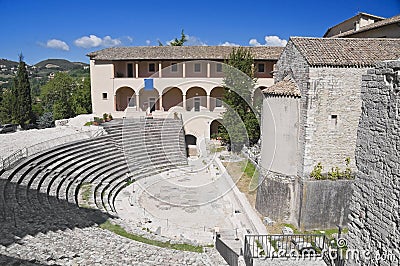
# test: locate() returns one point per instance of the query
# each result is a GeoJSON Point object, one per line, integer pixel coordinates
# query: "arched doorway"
{"type": "Point", "coordinates": [172, 97]}
{"type": "Point", "coordinates": [196, 99]}
{"type": "Point", "coordinates": [214, 128]}
{"type": "Point", "coordinates": [124, 97]}
{"type": "Point", "coordinates": [148, 100]}
{"type": "Point", "coordinates": [216, 95]}
{"type": "Point", "coordinates": [191, 145]}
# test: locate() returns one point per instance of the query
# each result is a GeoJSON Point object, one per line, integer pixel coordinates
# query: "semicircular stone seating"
{"type": "Point", "coordinates": [132, 149]}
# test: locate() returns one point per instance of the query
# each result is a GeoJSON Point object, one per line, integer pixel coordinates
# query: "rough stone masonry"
{"type": "Point", "coordinates": [374, 230]}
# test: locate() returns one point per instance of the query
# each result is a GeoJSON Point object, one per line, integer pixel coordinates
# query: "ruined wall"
{"type": "Point", "coordinates": [375, 206]}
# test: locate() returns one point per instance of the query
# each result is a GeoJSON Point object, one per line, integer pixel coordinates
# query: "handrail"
{"type": "Point", "coordinates": [9, 161]}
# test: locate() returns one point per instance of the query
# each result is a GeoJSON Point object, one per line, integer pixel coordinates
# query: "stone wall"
{"type": "Point", "coordinates": [307, 204]}
{"type": "Point", "coordinates": [375, 206]}
{"type": "Point", "coordinates": [334, 108]}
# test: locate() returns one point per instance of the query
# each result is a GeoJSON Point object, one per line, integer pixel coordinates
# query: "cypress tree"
{"type": "Point", "coordinates": [21, 101]}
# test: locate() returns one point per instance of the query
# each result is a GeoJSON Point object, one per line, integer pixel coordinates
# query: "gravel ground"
{"type": "Point", "coordinates": [11, 142]}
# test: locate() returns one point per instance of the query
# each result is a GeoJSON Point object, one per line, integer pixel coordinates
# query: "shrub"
{"type": "Point", "coordinates": [334, 174]}
{"type": "Point", "coordinates": [316, 173]}
{"type": "Point", "coordinates": [46, 120]}
{"type": "Point", "coordinates": [105, 116]}
{"type": "Point", "coordinates": [347, 172]}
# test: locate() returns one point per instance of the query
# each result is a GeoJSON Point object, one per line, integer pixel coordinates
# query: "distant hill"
{"type": "Point", "coordinates": [59, 64]}
{"type": "Point", "coordinates": [8, 63]}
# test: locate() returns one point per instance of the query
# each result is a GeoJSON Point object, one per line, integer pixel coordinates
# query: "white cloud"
{"type": "Point", "coordinates": [274, 41]}
{"type": "Point", "coordinates": [148, 42]}
{"type": "Point", "coordinates": [57, 44]}
{"type": "Point", "coordinates": [194, 41]}
{"type": "Point", "coordinates": [254, 42]}
{"type": "Point", "coordinates": [94, 41]}
{"type": "Point", "coordinates": [229, 44]}
{"type": "Point", "coordinates": [269, 41]}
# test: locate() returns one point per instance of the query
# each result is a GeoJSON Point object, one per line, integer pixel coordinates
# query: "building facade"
{"type": "Point", "coordinates": [159, 81]}
{"type": "Point", "coordinates": [310, 116]}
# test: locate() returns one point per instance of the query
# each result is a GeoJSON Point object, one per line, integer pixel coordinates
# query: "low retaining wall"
{"type": "Point", "coordinates": [308, 204]}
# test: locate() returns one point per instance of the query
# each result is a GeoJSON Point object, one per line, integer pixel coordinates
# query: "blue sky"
{"type": "Point", "coordinates": [42, 29]}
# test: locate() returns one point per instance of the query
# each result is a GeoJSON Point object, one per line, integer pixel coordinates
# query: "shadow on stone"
{"type": "Point", "coordinates": [26, 212]}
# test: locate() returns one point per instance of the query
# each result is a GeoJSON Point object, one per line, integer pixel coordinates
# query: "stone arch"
{"type": "Point", "coordinates": [145, 97]}
{"type": "Point", "coordinates": [172, 97]}
{"type": "Point", "coordinates": [124, 97]}
{"type": "Point", "coordinates": [216, 96]}
{"type": "Point", "coordinates": [195, 96]}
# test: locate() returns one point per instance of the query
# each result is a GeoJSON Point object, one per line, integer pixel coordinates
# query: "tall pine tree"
{"type": "Point", "coordinates": [21, 109]}
{"type": "Point", "coordinates": [240, 124]}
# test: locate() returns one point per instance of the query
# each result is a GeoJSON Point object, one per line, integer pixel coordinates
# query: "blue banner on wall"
{"type": "Point", "coordinates": [148, 84]}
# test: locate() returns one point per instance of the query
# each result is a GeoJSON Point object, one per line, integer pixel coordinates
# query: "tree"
{"type": "Point", "coordinates": [21, 111]}
{"type": "Point", "coordinates": [240, 124]}
{"type": "Point", "coordinates": [56, 96]}
{"type": "Point", "coordinates": [81, 99]}
{"type": "Point", "coordinates": [176, 41]}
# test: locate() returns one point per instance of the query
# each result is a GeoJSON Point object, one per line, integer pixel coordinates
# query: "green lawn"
{"type": "Point", "coordinates": [121, 231]}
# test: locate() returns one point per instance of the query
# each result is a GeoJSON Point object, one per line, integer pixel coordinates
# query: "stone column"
{"type": "Point", "coordinates": [160, 102]}
{"type": "Point", "coordinates": [136, 70]}
{"type": "Point", "coordinates": [137, 102]}
{"type": "Point", "coordinates": [208, 70]}
{"type": "Point", "coordinates": [115, 102]}
{"type": "Point", "coordinates": [184, 101]}
{"type": "Point", "coordinates": [208, 102]}
{"type": "Point", "coordinates": [184, 70]}
{"type": "Point", "coordinates": [159, 70]}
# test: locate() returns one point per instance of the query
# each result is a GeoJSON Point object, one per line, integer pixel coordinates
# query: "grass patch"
{"type": "Point", "coordinates": [245, 175]}
{"type": "Point", "coordinates": [86, 189]}
{"type": "Point", "coordinates": [121, 231]}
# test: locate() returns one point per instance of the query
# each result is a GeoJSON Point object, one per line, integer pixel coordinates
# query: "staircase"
{"type": "Point", "coordinates": [150, 146]}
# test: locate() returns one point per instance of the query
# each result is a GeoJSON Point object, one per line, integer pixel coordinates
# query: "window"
{"type": "Point", "coordinates": [197, 67]}
{"type": "Point", "coordinates": [219, 67]}
{"type": "Point", "coordinates": [104, 94]}
{"type": "Point", "coordinates": [261, 67]}
{"type": "Point", "coordinates": [218, 102]}
{"type": "Point", "coordinates": [334, 120]}
{"type": "Point", "coordinates": [130, 70]}
{"type": "Point", "coordinates": [152, 67]}
{"type": "Point", "coordinates": [197, 104]}
{"type": "Point", "coordinates": [174, 67]}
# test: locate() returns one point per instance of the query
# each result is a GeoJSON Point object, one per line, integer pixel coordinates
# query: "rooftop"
{"type": "Point", "coordinates": [181, 53]}
{"type": "Point", "coordinates": [388, 21]}
{"type": "Point", "coordinates": [356, 17]}
{"type": "Point", "coordinates": [285, 87]}
{"type": "Point", "coordinates": [359, 52]}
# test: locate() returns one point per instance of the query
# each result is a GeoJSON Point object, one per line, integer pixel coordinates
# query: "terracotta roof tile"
{"type": "Point", "coordinates": [285, 87]}
{"type": "Point", "coordinates": [180, 53]}
{"type": "Point", "coordinates": [361, 52]}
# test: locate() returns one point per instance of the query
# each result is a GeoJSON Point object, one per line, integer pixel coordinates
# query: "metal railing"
{"type": "Point", "coordinates": [284, 246]}
{"type": "Point", "coordinates": [9, 161]}
{"type": "Point", "coordinates": [230, 256]}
